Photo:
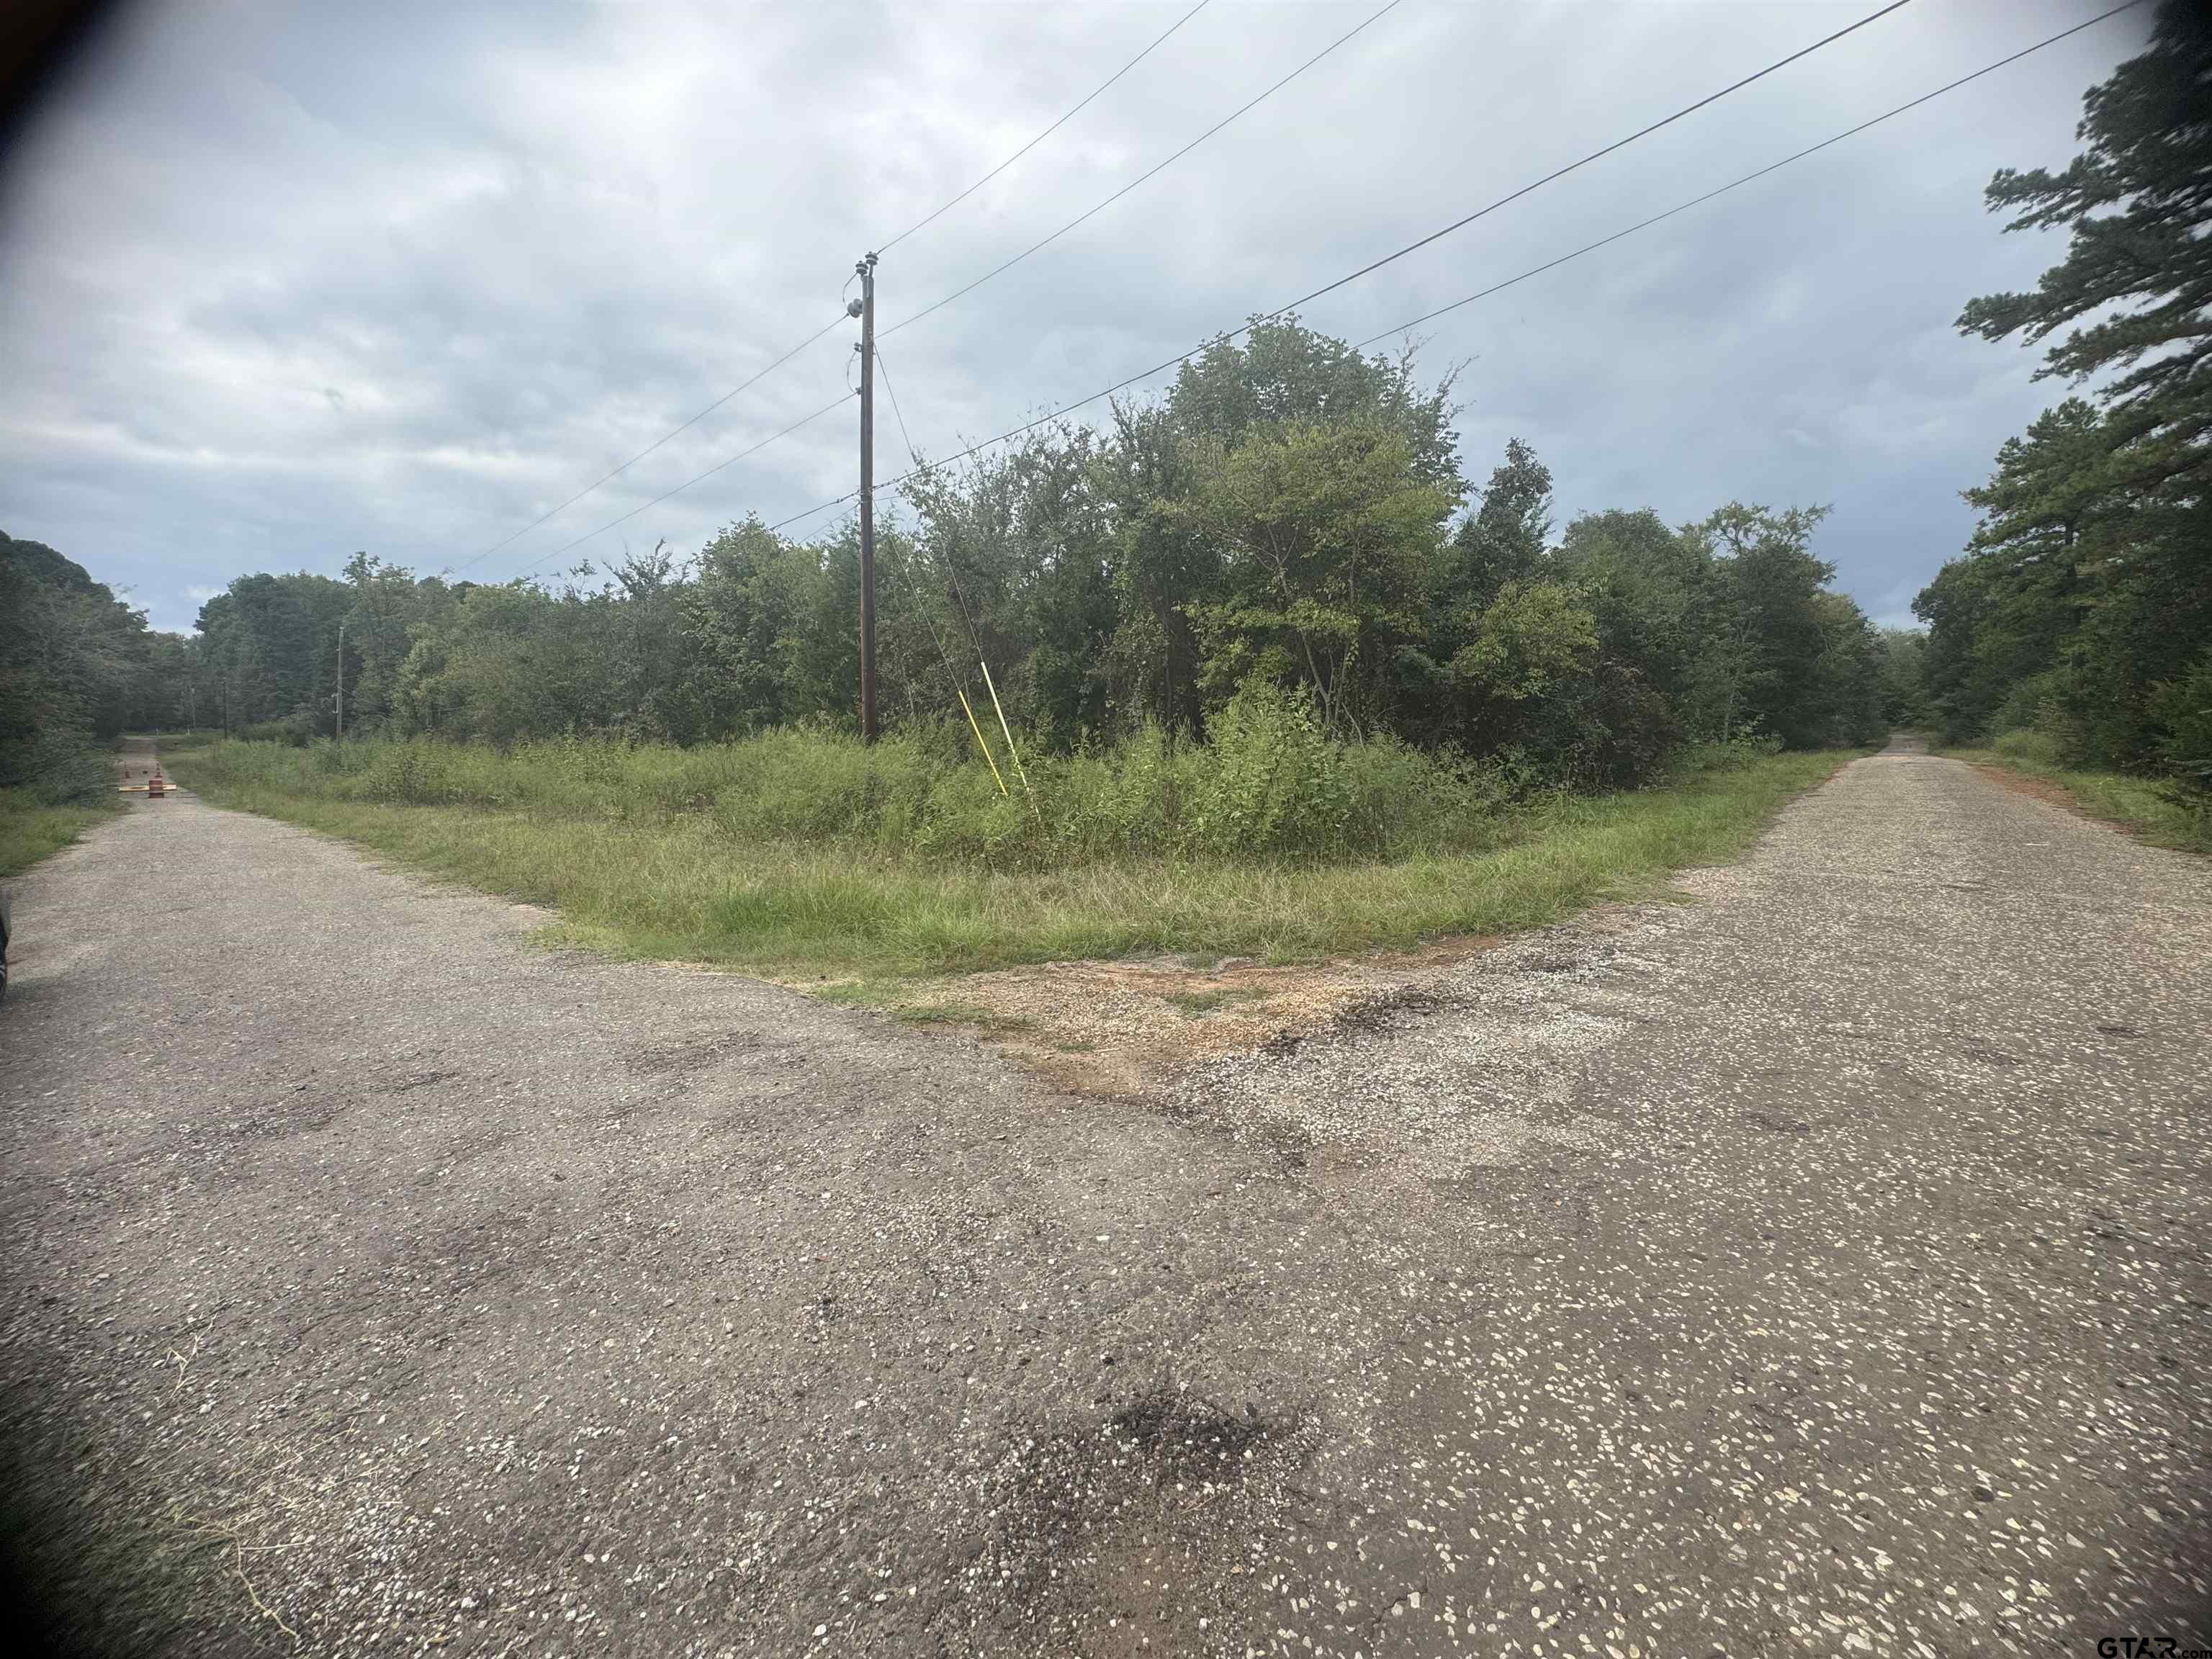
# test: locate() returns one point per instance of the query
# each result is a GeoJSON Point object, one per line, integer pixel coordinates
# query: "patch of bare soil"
{"type": "Point", "coordinates": [1123, 1028]}
{"type": "Point", "coordinates": [2022, 783]}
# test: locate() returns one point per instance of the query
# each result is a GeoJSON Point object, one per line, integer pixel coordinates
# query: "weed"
{"type": "Point", "coordinates": [1196, 1004]}
{"type": "Point", "coordinates": [960, 1013]}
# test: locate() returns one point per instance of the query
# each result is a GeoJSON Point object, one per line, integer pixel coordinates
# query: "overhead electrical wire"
{"type": "Point", "coordinates": [920, 466]}
{"type": "Point", "coordinates": [1161, 165]}
{"type": "Point", "coordinates": [1596, 155]}
{"type": "Point", "coordinates": [779, 362]}
{"type": "Point", "coordinates": [1771, 167]}
{"type": "Point", "coordinates": [1458, 224]}
{"type": "Point", "coordinates": [649, 448]}
{"type": "Point", "coordinates": [1157, 41]}
{"type": "Point", "coordinates": [1145, 374]}
{"type": "Point", "coordinates": [883, 369]}
{"type": "Point", "coordinates": [837, 402]}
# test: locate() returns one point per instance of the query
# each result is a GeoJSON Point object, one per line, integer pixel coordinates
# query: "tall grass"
{"type": "Point", "coordinates": [32, 827]}
{"type": "Point", "coordinates": [69, 787]}
{"type": "Point", "coordinates": [806, 853]}
{"type": "Point", "coordinates": [1269, 786]}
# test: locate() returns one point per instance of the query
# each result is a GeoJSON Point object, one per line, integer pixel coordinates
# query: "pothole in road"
{"type": "Point", "coordinates": [1138, 1527]}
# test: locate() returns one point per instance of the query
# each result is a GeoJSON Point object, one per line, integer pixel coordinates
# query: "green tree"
{"type": "Point", "coordinates": [1903, 670]}
{"type": "Point", "coordinates": [73, 666]}
{"type": "Point", "coordinates": [1327, 536]}
{"type": "Point", "coordinates": [2086, 588]}
{"type": "Point", "coordinates": [1286, 374]}
{"type": "Point", "coordinates": [2136, 204]}
{"type": "Point", "coordinates": [1162, 564]}
{"type": "Point", "coordinates": [1764, 628]}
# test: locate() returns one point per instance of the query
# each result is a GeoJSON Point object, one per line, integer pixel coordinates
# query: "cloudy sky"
{"type": "Point", "coordinates": [280, 282]}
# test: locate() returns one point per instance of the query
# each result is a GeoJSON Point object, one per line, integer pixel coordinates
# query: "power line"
{"type": "Point", "coordinates": [883, 368]}
{"type": "Point", "coordinates": [1034, 247]}
{"type": "Point", "coordinates": [1771, 167]}
{"type": "Point", "coordinates": [952, 568]}
{"type": "Point", "coordinates": [648, 449]}
{"type": "Point", "coordinates": [840, 316]}
{"type": "Point", "coordinates": [804, 419]}
{"type": "Point", "coordinates": [1157, 41]}
{"type": "Point", "coordinates": [1413, 246]}
{"type": "Point", "coordinates": [1595, 155]}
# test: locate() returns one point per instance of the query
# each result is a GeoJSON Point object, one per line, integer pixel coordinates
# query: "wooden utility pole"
{"type": "Point", "coordinates": [866, 270]}
{"type": "Point", "coordinates": [341, 725]}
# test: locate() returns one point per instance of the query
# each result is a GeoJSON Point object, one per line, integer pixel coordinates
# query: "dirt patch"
{"type": "Point", "coordinates": [1123, 1028]}
{"type": "Point", "coordinates": [1144, 1533]}
{"type": "Point", "coordinates": [2023, 783]}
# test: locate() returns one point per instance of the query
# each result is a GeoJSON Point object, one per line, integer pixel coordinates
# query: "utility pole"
{"type": "Point", "coordinates": [865, 305]}
{"type": "Point", "coordinates": [341, 736]}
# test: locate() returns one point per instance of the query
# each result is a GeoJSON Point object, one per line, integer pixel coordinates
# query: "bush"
{"type": "Point", "coordinates": [2038, 717]}
{"type": "Point", "coordinates": [1747, 747]}
{"type": "Point", "coordinates": [296, 729]}
{"type": "Point", "coordinates": [1277, 786]}
{"type": "Point", "coordinates": [2182, 709]}
{"type": "Point", "coordinates": [2032, 746]}
{"type": "Point", "coordinates": [58, 767]}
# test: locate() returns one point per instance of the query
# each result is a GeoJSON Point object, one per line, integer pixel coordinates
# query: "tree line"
{"type": "Point", "coordinates": [77, 665]}
{"type": "Point", "coordinates": [1289, 511]}
{"type": "Point", "coordinates": [2079, 619]}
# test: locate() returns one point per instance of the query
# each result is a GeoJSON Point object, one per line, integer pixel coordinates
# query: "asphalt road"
{"type": "Point", "coordinates": [1818, 1267]}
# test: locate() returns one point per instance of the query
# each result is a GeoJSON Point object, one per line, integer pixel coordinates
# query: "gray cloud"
{"type": "Point", "coordinates": [278, 283]}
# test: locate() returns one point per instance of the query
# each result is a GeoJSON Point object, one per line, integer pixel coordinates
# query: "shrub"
{"type": "Point", "coordinates": [1747, 747]}
{"type": "Point", "coordinates": [58, 767]}
{"type": "Point", "coordinates": [1277, 785]}
{"type": "Point", "coordinates": [2032, 746]}
{"type": "Point", "coordinates": [296, 729]}
{"type": "Point", "coordinates": [2183, 711]}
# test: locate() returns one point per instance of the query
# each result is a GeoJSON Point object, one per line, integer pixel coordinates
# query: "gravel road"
{"type": "Point", "coordinates": [1820, 1267]}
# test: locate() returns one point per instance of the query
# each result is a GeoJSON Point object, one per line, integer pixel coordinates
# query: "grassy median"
{"type": "Point", "coordinates": [31, 828]}
{"type": "Point", "coordinates": [671, 881]}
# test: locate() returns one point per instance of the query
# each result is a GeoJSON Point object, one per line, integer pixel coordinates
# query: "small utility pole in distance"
{"type": "Point", "coordinates": [866, 305]}
{"type": "Point", "coordinates": [341, 733]}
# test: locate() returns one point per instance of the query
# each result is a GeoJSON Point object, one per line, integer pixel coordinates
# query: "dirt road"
{"type": "Point", "coordinates": [1818, 1267]}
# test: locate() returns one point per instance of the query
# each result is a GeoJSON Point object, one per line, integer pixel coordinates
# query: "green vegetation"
{"type": "Point", "coordinates": [960, 1013]}
{"type": "Point", "coordinates": [1196, 1004]}
{"type": "Point", "coordinates": [1271, 784]}
{"type": "Point", "coordinates": [2075, 634]}
{"type": "Point", "coordinates": [31, 826]}
{"type": "Point", "coordinates": [1267, 690]}
{"type": "Point", "coordinates": [1288, 520]}
{"type": "Point", "coordinates": [78, 666]}
{"type": "Point", "coordinates": [645, 853]}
